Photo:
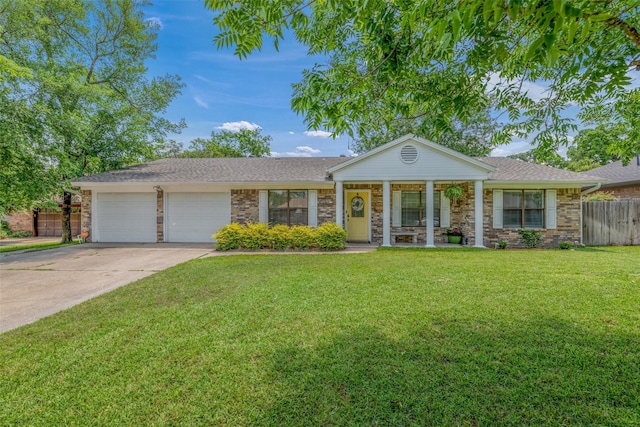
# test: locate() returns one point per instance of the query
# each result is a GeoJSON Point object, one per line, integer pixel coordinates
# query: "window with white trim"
{"type": "Point", "coordinates": [288, 207]}
{"type": "Point", "coordinates": [523, 209]}
{"type": "Point", "coordinates": [414, 212]}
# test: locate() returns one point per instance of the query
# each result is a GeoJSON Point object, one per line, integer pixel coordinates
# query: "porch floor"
{"type": "Point", "coordinates": [356, 245]}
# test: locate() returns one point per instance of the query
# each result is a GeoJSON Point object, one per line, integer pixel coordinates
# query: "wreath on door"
{"type": "Point", "coordinates": [357, 206]}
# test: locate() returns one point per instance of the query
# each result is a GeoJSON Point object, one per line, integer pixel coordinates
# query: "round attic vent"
{"type": "Point", "coordinates": [409, 154]}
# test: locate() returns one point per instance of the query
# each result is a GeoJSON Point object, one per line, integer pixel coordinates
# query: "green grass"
{"type": "Point", "coordinates": [395, 337]}
{"type": "Point", "coordinates": [34, 246]}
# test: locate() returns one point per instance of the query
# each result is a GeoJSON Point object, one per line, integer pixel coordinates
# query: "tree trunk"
{"type": "Point", "coordinates": [66, 217]}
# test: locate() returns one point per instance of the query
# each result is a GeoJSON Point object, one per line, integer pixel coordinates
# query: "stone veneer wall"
{"type": "Point", "coordinates": [85, 213]}
{"type": "Point", "coordinates": [326, 206]}
{"type": "Point", "coordinates": [568, 222]}
{"type": "Point", "coordinates": [245, 206]}
{"type": "Point", "coordinates": [160, 216]}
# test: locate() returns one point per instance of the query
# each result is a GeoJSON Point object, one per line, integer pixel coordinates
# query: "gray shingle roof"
{"type": "Point", "coordinates": [223, 170]}
{"type": "Point", "coordinates": [616, 173]}
{"type": "Point", "coordinates": [517, 170]}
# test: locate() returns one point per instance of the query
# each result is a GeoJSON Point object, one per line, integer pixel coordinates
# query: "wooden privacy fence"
{"type": "Point", "coordinates": [615, 222]}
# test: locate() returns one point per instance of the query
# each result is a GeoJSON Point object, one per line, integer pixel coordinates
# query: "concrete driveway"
{"type": "Point", "coordinates": [34, 285]}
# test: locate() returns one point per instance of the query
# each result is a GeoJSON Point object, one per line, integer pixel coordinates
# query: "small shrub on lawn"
{"type": "Point", "coordinates": [280, 237]}
{"type": "Point", "coordinates": [503, 244]}
{"type": "Point", "coordinates": [565, 245]}
{"type": "Point", "coordinates": [331, 237]}
{"type": "Point", "coordinates": [531, 238]}
{"type": "Point", "coordinates": [302, 237]}
{"type": "Point", "coordinates": [228, 237]}
{"type": "Point", "coordinates": [255, 236]}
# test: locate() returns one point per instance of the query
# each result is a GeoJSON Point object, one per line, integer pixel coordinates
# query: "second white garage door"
{"type": "Point", "coordinates": [194, 217]}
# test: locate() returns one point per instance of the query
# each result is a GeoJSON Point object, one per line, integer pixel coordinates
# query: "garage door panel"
{"type": "Point", "coordinates": [194, 217]}
{"type": "Point", "coordinates": [127, 217]}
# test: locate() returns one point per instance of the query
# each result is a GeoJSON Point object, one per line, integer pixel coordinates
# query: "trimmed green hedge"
{"type": "Point", "coordinates": [256, 236]}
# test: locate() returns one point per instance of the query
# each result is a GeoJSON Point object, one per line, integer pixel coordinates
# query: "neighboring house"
{"type": "Point", "coordinates": [623, 181]}
{"type": "Point", "coordinates": [393, 192]}
{"type": "Point", "coordinates": [45, 221]}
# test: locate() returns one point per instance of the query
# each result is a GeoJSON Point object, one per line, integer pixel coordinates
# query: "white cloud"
{"type": "Point", "coordinates": [200, 102]}
{"type": "Point", "coordinates": [352, 153]}
{"type": "Point", "coordinates": [301, 151]}
{"type": "Point", "coordinates": [307, 149]}
{"type": "Point", "coordinates": [237, 126]}
{"type": "Point", "coordinates": [154, 22]}
{"type": "Point", "coordinates": [318, 133]}
{"type": "Point", "coordinates": [533, 90]}
{"type": "Point", "coordinates": [291, 133]}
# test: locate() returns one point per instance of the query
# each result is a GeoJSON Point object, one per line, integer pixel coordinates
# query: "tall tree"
{"type": "Point", "coordinates": [88, 105]}
{"type": "Point", "coordinates": [447, 59]}
{"type": "Point", "coordinates": [224, 143]}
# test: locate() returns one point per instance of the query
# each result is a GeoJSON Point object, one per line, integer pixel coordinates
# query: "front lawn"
{"type": "Point", "coordinates": [394, 337]}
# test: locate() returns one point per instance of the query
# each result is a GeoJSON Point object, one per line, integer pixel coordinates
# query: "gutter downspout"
{"type": "Point", "coordinates": [582, 194]}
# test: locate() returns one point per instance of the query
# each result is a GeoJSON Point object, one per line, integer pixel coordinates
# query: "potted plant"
{"type": "Point", "coordinates": [453, 192]}
{"type": "Point", "coordinates": [454, 235]}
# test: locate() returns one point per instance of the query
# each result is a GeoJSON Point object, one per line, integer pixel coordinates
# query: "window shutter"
{"type": "Point", "coordinates": [263, 206]}
{"type": "Point", "coordinates": [551, 209]}
{"type": "Point", "coordinates": [445, 211]}
{"type": "Point", "coordinates": [497, 208]}
{"type": "Point", "coordinates": [313, 207]}
{"type": "Point", "coordinates": [396, 220]}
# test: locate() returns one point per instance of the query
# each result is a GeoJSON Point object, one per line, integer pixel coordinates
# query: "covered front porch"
{"type": "Point", "coordinates": [398, 191]}
{"type": "Point", "coordinates": [409, 213]}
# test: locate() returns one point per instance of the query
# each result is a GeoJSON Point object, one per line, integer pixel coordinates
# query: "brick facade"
{"type": "Point", "coordinates": [631, 191]}
{"type": "Point", "coordinates": [85, 216]}
{"type": "Point", "coordinates": [245, 206]}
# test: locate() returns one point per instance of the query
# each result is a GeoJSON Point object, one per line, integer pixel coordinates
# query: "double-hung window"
{"type": "Point", "coordinates": [523, 209]}
{"type": "Point", "coordinates": [288, 207]}
{"type": "Point", "coordinates": [414, 212]}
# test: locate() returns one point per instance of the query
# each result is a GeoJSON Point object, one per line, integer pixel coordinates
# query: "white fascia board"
{"type": "Point", "coordinates": [413, 138]}
{"type": "Point", "coordinates": [536, 184]}
{"type": "Point", "coordinates": [132, 187]}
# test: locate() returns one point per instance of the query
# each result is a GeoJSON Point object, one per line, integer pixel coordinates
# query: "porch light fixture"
{"type": "Point", "coordinates": [157, 188]}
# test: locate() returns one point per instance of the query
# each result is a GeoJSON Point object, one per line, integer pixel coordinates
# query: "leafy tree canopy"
{"type": "Point", "coordinates": [74, 94]}
{"type": "Point", "coordinates": [224, 143]}
{"type": "Point", "coordinates": [441, 61]}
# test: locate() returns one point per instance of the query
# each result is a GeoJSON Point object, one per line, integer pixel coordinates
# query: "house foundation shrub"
{"type": "Point", "coordinates": [331, 237]}
{"type": "Point", "coordinates": [302, 237]}
{"type": "Point", "coordinates": [565, 245]}
{"type": "Point", "coordinates": [531, 238]}
{"type": "Point", "coordinates": [228, 237]}
{"type": "Point", "coordinates": [252, 236]}
{"type": "Point", "coordinates": [255, 236]}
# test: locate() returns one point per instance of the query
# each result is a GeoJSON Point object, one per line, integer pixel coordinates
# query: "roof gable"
{"type": "Point", "coordinates": [432, 161]}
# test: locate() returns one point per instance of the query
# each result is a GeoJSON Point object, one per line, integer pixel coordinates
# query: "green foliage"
{"type": "Point", "coordinates": [531, 238]}
{"type": "Point", "coordinates": [453, 192]}
{"type": "Point", "coordinates": [331, 237]}
{"type": "Point", "coordinates": [599, 196]}
{"type": "Point", "coordinates": [503, 244]}
{"type": "Point", "coordinates": [243, 143]}
{"type": "Point", "coordinates": [228, 237]}
{"type": "Point", "coordinates": [7, 233]}
{"type": "Point", "coordinates": [443, 61]}
{"type": "Point", "coordinates": [85, 104]}
{"type": "Point", "coordinates": [302, 237]}
{"type": "Point", "coordinates": [280, 237]}
{"type": "Point", "coordinates": [565, 245]}
{"type": "Point", "coordinates": [255, 236]}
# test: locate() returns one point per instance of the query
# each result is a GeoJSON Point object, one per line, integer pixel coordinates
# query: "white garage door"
{"type": "Point", "coordinates": [126, 217]}
{"type": "Point", "coordinates": [194, 217]}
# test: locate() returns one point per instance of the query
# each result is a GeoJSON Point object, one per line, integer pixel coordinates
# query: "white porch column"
{"type": "Point", "coordinates": [478, 214]}
{"type": "Point", "coordinates": [429, 219]}
{"type": "Point", "coordinates": [386, 213]}
{"type": "Point", "coordinates": [339, 199]}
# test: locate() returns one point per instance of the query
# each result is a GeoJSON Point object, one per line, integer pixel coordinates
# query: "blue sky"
{"type": "Point", "coordinates": [223, 92]}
